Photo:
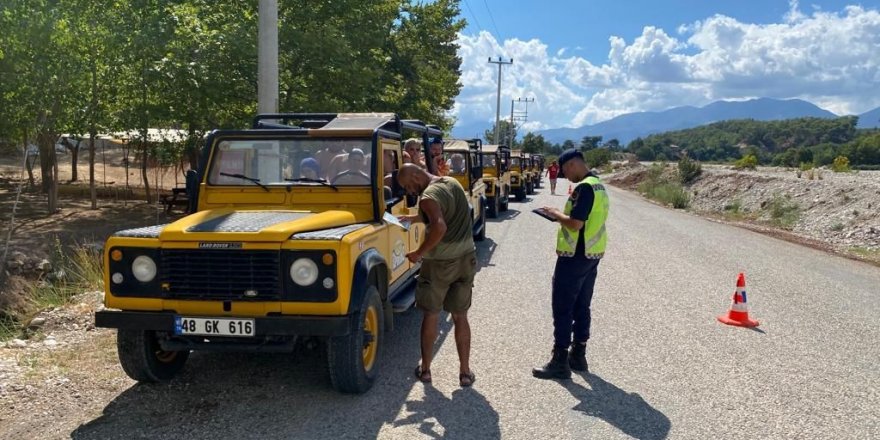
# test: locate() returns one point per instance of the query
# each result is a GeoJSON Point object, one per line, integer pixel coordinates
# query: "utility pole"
{"type": "Point", "coordinates": [267, 57]}
{"type": "Point", "coordinates": [500, 62]}
{"type": "Point", "coordinates": [518, 116]}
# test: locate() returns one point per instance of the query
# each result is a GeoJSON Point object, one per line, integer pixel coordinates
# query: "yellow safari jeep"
{"type": "Point", "coordinates": [530, 172]}
{"type": "Point", "coordinates": [519, 179]}
{"type": "Point", "coordinates": [538, 164]}
{"type": "Point", "coordinates": [465, 163]}
{"type": "Point", "coordinates": [496, 176]}
{"type": "Point", "coordinates": [294, 234]}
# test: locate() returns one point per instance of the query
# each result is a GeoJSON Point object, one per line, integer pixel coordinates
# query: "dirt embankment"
{"type": "Point", "coordinates": [838, 211]}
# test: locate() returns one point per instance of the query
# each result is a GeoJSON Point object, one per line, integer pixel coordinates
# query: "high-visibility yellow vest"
{"type": "Point", "coordinates": [595, 236]}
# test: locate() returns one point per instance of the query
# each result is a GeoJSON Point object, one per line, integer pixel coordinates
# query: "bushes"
{"type": "Point", "coordinates": [660, 186]}
{"type": "Point", "coordinates": [840, 165]}
{"type": "Point", "coordinates": [670, 194]}
{"type": "Point", "coordinates": [688, 170]}
{"type": "Point", "coordinates": [783, 212]}
{"type": "Point", "coordinates": [72, 272]}
{"type": "Point", "coordinates": [598, 157]}
{"type": "Point", "coordinates": [749, 162]}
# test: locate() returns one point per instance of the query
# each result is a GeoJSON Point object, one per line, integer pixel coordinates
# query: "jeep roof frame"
{"type": "Point", "coordinates": [370, 125]}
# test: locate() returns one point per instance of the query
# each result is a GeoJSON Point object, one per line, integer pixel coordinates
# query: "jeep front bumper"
{"type": "Point", "coordinates": [301, 325]}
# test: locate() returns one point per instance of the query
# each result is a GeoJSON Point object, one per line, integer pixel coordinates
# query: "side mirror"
{"type": "Point", "coordinates": [192, 190]}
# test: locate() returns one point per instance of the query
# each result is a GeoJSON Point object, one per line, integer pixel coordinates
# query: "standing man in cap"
{"type": "Point", "coordinates": [580, 244]}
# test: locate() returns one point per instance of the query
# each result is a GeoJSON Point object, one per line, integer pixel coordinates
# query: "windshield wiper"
{"type": "Point", "coordinates": [306, 179]}
{"type": "Point", "coordinates": [249, 179]}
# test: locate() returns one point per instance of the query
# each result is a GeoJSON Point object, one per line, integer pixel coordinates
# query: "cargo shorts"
{"type": "Point", "coordinates": [446, 284]}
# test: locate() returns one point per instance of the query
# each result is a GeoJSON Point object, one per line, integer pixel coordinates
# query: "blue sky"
{"type": "Point", "coordinates": [588, 61]}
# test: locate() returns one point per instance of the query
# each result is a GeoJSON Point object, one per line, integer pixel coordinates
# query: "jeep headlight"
{"type": "Point", "coordinates": [304, 272]}
{"type": "Point", "coordinates": [143, 268]}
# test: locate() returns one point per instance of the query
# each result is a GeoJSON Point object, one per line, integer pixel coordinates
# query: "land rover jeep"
{"type": "Point", "coordinates": [294, 235]}
{"type": "Point", "coordinates": [496, 176]}
{"type": "Point", "coordinates": [465, 164]}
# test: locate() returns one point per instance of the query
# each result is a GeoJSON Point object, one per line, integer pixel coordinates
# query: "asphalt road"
{"type": "Point", "coordinates": [661, 365]}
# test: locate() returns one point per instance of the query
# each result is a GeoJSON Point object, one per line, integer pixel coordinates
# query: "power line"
{"type": "Point", "coordinates": [493, 20]}
{"type": "Point", "coordinates": [473, 15]}
{"type": "Point", "coordinates": [500, 63]}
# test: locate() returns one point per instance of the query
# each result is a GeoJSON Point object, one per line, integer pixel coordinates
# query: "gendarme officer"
{"type": "Point", "coordinates": [580, 245]}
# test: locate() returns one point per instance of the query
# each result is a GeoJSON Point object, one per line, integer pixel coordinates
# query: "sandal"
{"type": "Point", "coordinates": [466, 379]}
{"type": "Point", "coordinates": [424, 376]}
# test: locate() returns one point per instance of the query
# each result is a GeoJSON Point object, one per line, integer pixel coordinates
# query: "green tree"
{"type": "Point", "coordinates": [41, 77]}
{"type": "Point", "coordinates": [506, 134]}
{"type": "Point", "coordinates": [424, 66]}
{"type": "Point", "coordinates": [590, 142]}
{"type": "Point", "coordinates": [533, 143]}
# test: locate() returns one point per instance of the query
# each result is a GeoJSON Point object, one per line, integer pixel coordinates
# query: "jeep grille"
{"type": "Point", "coordinates": [221, 274]}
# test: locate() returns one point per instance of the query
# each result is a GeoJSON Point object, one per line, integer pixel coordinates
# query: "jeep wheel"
{"type": "Point", "coordinates": [482, 234]}
{"type": "Point", "coordinates": [353, 358]}
{"type": "Point", "coordinates": [142, 358]}
{"type": "Point", "coordinates": [493, 206]}
{"type": "Point", "coordinates": [529, 188]}
{"type": "Point", "coordinates": [506, 203]}
{"type": "Point", "coordinates": [520, 194]}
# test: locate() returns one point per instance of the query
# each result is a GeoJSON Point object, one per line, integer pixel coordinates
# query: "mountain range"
{"type": "Point", "coordinates": [629, 126]}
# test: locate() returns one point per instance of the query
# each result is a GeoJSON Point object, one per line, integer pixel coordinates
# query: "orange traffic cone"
{"type": "Point", "coordinates": [739, 310]}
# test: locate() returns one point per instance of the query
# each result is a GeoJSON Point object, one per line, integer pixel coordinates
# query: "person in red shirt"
{"type": "Point", "coordinates": [552, 173]}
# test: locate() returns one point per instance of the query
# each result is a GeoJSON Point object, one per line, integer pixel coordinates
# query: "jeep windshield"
{"type": "Point", "coordinates": [308, 161]}
{"type": "Point", "coordinates": [488, 160]}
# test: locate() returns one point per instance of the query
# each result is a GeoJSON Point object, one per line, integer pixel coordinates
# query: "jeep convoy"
{"type": "Point", "coordinates": [293, 233]}
{"type": "Point", "coordinates": [496, 175]}
{"type": "Point", "coordinates": [464, 162]}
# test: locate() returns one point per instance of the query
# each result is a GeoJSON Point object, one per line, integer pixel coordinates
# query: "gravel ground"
{"type": "Point", "coordinates": [661, 365]}
{"type": "Point", "coordinates": [841, 210]}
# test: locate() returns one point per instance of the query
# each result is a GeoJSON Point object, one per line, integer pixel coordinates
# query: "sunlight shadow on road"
{"type": "Point", "coordinates": [240, 395]}
{"type": "Point", "coordinates": [467, 414]}
{"type": "Point", "coordinates": [625, 411]}
{"type": "Point", "coordinates": [506, 215]}
{"type": "Point", "coordinates": [485, 250]}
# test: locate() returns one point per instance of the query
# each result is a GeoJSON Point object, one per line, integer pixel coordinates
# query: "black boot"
{"type": "Point", "coordinates": [557, 368]}
{"type": "Point", "coordinates": [577, 360]}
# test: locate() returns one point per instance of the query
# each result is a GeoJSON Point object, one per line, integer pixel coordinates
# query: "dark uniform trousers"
{"type": "Point", "coordinates": [573, 281]}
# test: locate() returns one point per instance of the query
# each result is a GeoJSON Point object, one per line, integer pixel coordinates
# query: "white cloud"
{"type": "Point", "coordinates": [828, 58]}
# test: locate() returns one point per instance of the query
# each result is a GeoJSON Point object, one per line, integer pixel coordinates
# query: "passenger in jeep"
{"type": "Point", "coordinates": [326, 156]}
{"type": "Point", "coordinates": [456, 164]}
{"type": "Point", "coordinates": [309, 168]}
{"type": "Point", "coordinates": [350, 168]}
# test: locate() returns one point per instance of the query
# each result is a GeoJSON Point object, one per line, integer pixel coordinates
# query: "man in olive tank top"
{"type": "Point", "coordinates": [449, 261]}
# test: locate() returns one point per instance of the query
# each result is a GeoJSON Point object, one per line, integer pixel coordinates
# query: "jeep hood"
{"type": "Point", "coordinates": [251, 226]}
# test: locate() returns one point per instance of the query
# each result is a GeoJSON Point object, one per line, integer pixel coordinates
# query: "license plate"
{"type": "Point", "coordinates": [214, 326]}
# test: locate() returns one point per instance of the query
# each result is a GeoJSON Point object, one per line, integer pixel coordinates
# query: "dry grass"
{"type": "Point", "coordinates": [94, 358]}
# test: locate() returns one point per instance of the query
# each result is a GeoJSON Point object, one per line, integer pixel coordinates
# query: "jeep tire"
{"type": "Point", "coordinates": [482, 234]}
{"type": "Point", "coordinates": [354, 358]}
{"type": "Point", "coordinates": [506, 200]}
{"type": "Point", "coordinates": [494, 206]}
{"type": "Point", "coordinates": [144, 360]}
{"type": "Point", "coordinates": [520, 193]}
